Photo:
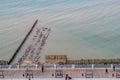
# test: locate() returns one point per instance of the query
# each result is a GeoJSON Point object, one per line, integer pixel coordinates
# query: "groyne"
{"type": "Point", "coordinates": [20, 46]}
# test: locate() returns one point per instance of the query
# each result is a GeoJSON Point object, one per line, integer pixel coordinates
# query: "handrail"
{"type": "Point", "coordinates": [54, 66]}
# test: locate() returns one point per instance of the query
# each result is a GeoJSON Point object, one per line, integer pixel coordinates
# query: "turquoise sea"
{"type": "Point", "coordinates": [80, 28]}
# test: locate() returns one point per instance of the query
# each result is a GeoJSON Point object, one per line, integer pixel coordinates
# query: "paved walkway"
{"type": "Point", "coordinates": [63, 79]}
{"type": "Point", "coordinates": [74, 73]}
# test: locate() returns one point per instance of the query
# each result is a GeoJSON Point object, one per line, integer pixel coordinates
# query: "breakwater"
{"type": "Point", "coordinates": [94, 61]}
{"type": "Point", "coordinates": [3, 62]}
{"type": "Point", "coordinates": [19, 47]}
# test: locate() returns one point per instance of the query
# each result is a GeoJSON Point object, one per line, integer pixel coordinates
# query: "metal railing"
{"type": "Point", "coordinates": [54, 66]}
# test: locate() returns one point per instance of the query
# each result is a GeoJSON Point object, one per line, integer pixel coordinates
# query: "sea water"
{"type": "Point", "coordinates": [79, 28]}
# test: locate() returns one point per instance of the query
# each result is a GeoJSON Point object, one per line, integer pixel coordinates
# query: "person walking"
{"type": "Point", "coordinates": [42, 68]}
